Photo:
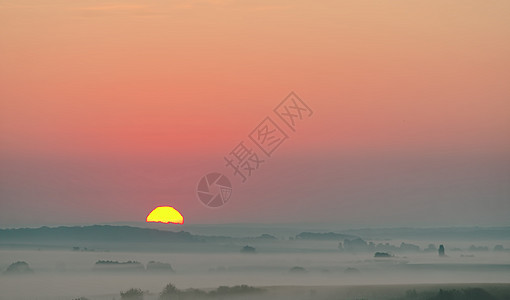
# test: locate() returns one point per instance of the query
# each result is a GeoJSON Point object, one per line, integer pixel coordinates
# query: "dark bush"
{"type": "Point", "coordinates": [19, 267]}
{"type": "Point", "coordinates": [235, 290]}
{"type": "Point", "coordinates": [112, 265]}
{"type": "Point", "coordinates": [132, 294]}
{"type": "Point", "coordinates": [382, 254]}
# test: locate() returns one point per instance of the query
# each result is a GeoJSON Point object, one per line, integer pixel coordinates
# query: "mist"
{"type": "Point", "coordinates": [310, 265]}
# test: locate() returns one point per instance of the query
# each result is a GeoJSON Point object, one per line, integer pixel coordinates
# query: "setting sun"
{"type": "Point", "coordinates": [165, 214]}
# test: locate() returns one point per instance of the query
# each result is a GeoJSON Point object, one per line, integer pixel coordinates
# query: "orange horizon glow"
{"type": "Point", "coordinates": [166, 215]}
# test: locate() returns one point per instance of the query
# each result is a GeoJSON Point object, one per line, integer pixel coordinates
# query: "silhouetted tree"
{"type": "Point", "coordinates": [169, 292]}
{"type": "Point", "coordinates": [441, 250]}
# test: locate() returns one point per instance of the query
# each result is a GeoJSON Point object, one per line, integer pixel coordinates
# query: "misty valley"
{"type": "Point", "coordinates": [127, 262]}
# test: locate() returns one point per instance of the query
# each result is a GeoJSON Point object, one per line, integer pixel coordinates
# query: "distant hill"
{"type": "Point", "coordinates": [128, 238]}
{"type": "Point", "coordinates": [109, 237]}
{"type": "Point", "coordinates": [96, 233]}
{"type": "Point", "coordinates": [438, 233]}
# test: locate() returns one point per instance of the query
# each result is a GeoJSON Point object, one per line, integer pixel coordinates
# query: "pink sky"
{"type": "Point", "coordinates": [108, 109]}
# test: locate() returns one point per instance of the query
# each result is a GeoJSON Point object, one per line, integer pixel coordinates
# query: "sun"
{"type": "Point", "coordinates": [165, 214]}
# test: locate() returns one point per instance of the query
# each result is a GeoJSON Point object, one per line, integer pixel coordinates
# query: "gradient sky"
{"type": "Point", "coordinates": [110, 108]}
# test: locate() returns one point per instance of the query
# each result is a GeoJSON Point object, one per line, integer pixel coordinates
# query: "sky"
{"type": "Point", "coordinates": [111, 108]}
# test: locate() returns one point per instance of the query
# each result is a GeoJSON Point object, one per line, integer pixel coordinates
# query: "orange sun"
{"type": "Point", "coordinates": [165, 214]}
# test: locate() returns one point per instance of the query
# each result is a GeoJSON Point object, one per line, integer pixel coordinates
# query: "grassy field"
{"type": "Point", "coordinates": [362, 292]}
{"type": "Point", "coordinates": [393, 292]}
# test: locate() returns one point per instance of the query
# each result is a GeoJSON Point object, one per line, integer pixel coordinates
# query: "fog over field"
{"type": "Point", "coordinates": [67, 267]}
